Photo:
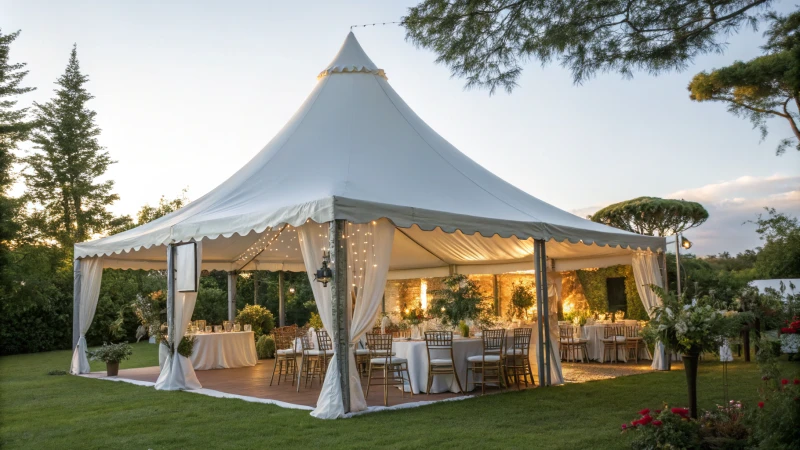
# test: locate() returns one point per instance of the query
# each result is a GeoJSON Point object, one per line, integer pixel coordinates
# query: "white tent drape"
{"type": "Point", "coordinates": [177, 372]}
{"type": "Point", "coordinates": [370, 247]}
{"type": "Point", "coordinates": [91, 274]}
{"type": "Point", "coordinates": [368, 261]}
{"type": "Point", "coordinates": [554, 296]}
{"type": "Point", "coordinates": [646, 273]}
{"type": "Point", "coordinates": [313, 238]}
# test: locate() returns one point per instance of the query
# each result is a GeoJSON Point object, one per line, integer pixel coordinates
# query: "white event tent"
{"type": "Point", "coordinates": [355, 171]}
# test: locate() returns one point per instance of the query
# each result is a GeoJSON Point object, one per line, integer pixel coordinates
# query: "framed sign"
{"type": "Point", "coordinates": [186, 267]}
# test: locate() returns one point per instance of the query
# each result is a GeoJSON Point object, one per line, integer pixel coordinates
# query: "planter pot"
{"type": "Point", "coordinates": [152, 340]}
{"type": "Point", "coordinates": [112, 368]}
{"type": "Point", "coordinates": [690, 366]}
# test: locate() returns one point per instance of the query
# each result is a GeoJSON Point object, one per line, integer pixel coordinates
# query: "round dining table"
{"type": "Point", "coordinates": [415, 351]}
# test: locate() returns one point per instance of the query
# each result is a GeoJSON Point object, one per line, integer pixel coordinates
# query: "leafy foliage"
{"type": "Point", "coordinates": [764, 87]}
{"type": "Point", "coordinates": [315, 321]}
{"type": "Point", "coordinates": [459, 300]}
{"type": "Point", "coordinates": [595, 289]}
{"type": "Point", "coordinates": [258, 317]}
{"type": "Point", "coordinates": [776, 418]}
{"type": "Point", "coordinates": [522, 298]}
{"type": "Point", "coordinates": [487, 41]}
{"type": "Point", "coordinates": [111, 353]}
{"type": "Point", "coordinates": [265, 347]}
{"type": "Point", "coordinates": [186, 346]}
{"type": "Point", "coordinates": [61, 176]}
{"type": "Point", "coordinates": [780, 256]}
{"type": "Point", "coordinates": [652, 216]}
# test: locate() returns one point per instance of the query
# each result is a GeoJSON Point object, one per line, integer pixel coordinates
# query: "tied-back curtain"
{"type": "Point", "coordinates": [91, 273]}
{"type": "Point", "coordinates": [553, 297]}
{"type": "Point", "coordinates": [646, 273]}
{"type": "Point", "coordinates": [314, 242]}
{"type": "Point", "coordinates": [177, 372]}
{"type": "Point", "coordinates": [369, 251]}
{"type": "Point", "coordinates": [370, 248]}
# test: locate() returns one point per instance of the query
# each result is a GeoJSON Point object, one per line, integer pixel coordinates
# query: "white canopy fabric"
{"type": "Point", "coordinates": [355, 151]}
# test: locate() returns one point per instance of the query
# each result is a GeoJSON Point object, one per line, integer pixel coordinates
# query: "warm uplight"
{"type": "Point", "coordinates": [443, 309]}
{"type": "Point", "coordinates": [291, 290]}
{"type": "Point", "coordinates": [568, 307]}
{"type": "Point", "coordinates": [408, 310]}
{"type": "Point", "coordinates": [423, 294]}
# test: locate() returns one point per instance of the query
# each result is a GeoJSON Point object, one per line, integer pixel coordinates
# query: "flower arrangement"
{"type": "Point", "coordinates": [413, 316]}
{"type": "Point", "coordinates": [148, 310]}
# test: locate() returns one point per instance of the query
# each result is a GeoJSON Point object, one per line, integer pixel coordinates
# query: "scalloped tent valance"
{"type": "Point", "coordinates": [356, 151]}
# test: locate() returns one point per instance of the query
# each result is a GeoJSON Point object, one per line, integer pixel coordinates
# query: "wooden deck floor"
{"type": "Point", "coordinates": [254, 382]}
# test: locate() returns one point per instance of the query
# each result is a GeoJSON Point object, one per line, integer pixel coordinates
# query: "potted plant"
{"type": "Point", "coordinates": [112, 354]}
{"type": "Point", "coordinates": [459, 300]}
{"type": "Point", "coordinates": [690, 328]}
{"type": "Point", "coordinates": [522, 299]}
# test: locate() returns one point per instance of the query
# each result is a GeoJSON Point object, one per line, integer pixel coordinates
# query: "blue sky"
{"type": "Point", "coordinates": [188, 91]}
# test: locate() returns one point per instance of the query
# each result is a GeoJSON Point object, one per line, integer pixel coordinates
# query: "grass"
{"type": "Point", "coordinates": [48, 411]}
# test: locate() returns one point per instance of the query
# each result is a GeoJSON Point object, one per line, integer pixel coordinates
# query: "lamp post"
{"type": "Point", "coordinates": [680, 241]}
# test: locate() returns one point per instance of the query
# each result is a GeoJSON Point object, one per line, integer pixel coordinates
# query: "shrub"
{"type": "Point", "coordinates": [111, 353]}
{"type": "Point", "coordinates": [265, 347]}
{"type": "Point", "coordinates": [315, 321]}
{"type": "Point", "coordinates": [258, 317]}
{"type": "Point", "coordinates": [778, 413]}
{"type": "Point", "coordinates": [186, 347]}
{"type": "Point", "coordinates": [665, 428]}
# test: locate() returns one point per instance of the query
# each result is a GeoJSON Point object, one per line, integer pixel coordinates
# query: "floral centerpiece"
{"type": "Point", "coordinates": [790, 336]}
{"type": "Point", "coordinates": [690, 329]}
{"type": "Point", "coordinates": [414, 317]}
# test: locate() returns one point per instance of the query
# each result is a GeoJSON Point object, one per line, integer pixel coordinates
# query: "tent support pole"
{"type": "Point", "coordinates": [339, 298]}
{"type": "Point", "coordinates": [664, 281]}
{"type": "Point", "coordinates": [496, 295]}
{"type": "Point", "coordinates": [76, 302]}
{"type": "Point", "coordinates": [232, 296]}
{"type": "Point", "coordinates": [678, 263]}
{"type": "Point", "coordinates": [541, 276]}
{"type": "Point", "coordinates": [281, 301]}
{"type": "Point", "coordinates": [171, 292]}
{"type": "Point", "coordinates": [540, 341]}
{"type": "Point", "coordinates": [255, 287]}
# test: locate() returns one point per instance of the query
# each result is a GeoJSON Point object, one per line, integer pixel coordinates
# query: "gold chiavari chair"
{"type": "Point", "coordinates": [392, 367]}
{"type": "Point", "coordinates": [633, 341]}
{"type": "Point", "coordinates": [572, 345]}
{"type": "Point", "coordinates": [489, 364]}
{"type": "Point", "coordinates": [324, 351]}
{"type": "Point", "coordinates": [285, 356]}
{"type": "Point", "coordinates": [440, 342]}
{"type": "Point", "coordinates": [401, 334]}
{"type": "Point", "coordinates": [613, 340]}
{"type": "Point", "coordinates": [518, 362]}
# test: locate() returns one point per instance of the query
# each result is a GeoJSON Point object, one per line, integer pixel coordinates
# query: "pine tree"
{"type": "Point", "coordinates": [61, 177]}
{"type": "Point", "coordinates": [13, 129]}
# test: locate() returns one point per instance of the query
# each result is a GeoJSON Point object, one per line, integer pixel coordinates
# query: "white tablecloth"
{"type": "Point", "coordinates": [224, 350]}
{"type": "Point", "coordinates": [417, 355]}
{"type": "Point", "coordinates": [594, 334]}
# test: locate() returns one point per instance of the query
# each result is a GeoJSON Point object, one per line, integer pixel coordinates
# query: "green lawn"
{"type": "Point", "coordinates": [43, 411]}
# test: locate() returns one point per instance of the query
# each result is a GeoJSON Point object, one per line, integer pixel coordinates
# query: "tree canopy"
{"type": "Point", "coordinates": [61, 176]}
{"type": "Point", "coordinates": [488, 41]}
{"type": "Point", "coordinates": [652, 216]}
{"type": "Point", "coordinates": [764, 87]}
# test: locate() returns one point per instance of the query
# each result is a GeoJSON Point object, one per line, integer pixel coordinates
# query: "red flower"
{"type": "Point", "coordinates": [644, 412]}
{"type": "Point", "coordinates": [657, 423]}
{"type": "Point", "coordinates": [683, 412]}
{"type": "Point", "coordinates": [760, 405]}
{"type": "Point", "coordinates": [645, 419]}
{"type": "Point", "coordinates": [796, 381]}
{"type": "Point", "coordinates": [658, 411]}
{"type": "Point", "coordinates": [624, 426]}
{"type": "Point", "coordinates": [784, 381]}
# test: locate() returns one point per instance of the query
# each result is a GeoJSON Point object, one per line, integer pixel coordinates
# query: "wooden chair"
{"type": "Point", "coordinates": [518, 362]}
{"type": "Point", "coordinates": [489, 364]}
{"type": "Point", "coordinates": [401, 334]}
{"type": "Point", "coordinates": [571, 345]}
{"type": "Point", "coordinates": [285, 356]}
{"type": "Point", "coordinates": [392, 367]}
{"type": "Point", "coordinates": [440, 342]}
{"type": "Point", "coordinates": [633, 341]}
{"type": "Point", "coordinates": [362, 357]}
{"type": "Point", "coordinates": [324, 350]}
{"type": "Point", "coordinates": [613, 340]}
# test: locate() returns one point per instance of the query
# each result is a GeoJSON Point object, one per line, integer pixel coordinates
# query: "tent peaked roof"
{"type": "Point", "coordinates": [355, 150]}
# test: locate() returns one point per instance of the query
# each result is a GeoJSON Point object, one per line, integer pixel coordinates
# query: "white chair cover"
{"type": "Point", "coordinates": [177, 372]}
{"type": "Point", "coordinates": [91, 276]}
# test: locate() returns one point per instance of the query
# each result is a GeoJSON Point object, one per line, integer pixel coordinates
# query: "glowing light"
{"type": "Point", "coordinates": [568, 307]}
{"type": "Point", "coordinates": [423, 294]}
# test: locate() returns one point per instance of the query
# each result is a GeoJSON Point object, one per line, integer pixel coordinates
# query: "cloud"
{"type": "Point", "coordinates": [731, 205]}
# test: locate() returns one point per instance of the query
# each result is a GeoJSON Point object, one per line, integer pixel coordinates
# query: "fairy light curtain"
{"type": "Point", "coordinates": [91, 275]}
{"type": "Point", "coordinates": [647, 273]}
{"type": "Point", "coordinates": [177, 372]}
{"type": "Point", "coordinates": [369, 252]}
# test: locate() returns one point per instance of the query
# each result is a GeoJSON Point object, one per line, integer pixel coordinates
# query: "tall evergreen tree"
{"type": "Point", "coordinates": [69, 203]}
{"type": "Point", "coordinates": [13, 129]}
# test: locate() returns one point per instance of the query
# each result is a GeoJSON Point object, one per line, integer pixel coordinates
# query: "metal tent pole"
{"type": "Point", "coordinates": [232, 296]}
{"type": "Point", "coordinates": [541, 349]}
{"type": "Point", "coordinates": [678, 262]}
{"type": "Point", "coordinates": [281, 301]}
{"type": "Point", "coordinates": [339, 298]}
{"type": "Point", "coordinates": [171, 293]}
{"type": "Point", "coordinates": [255, 287]}
{"type": "Point", "coordinates": [76, 302]}
{"type": "Point", "coordinates": [541, 283]}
